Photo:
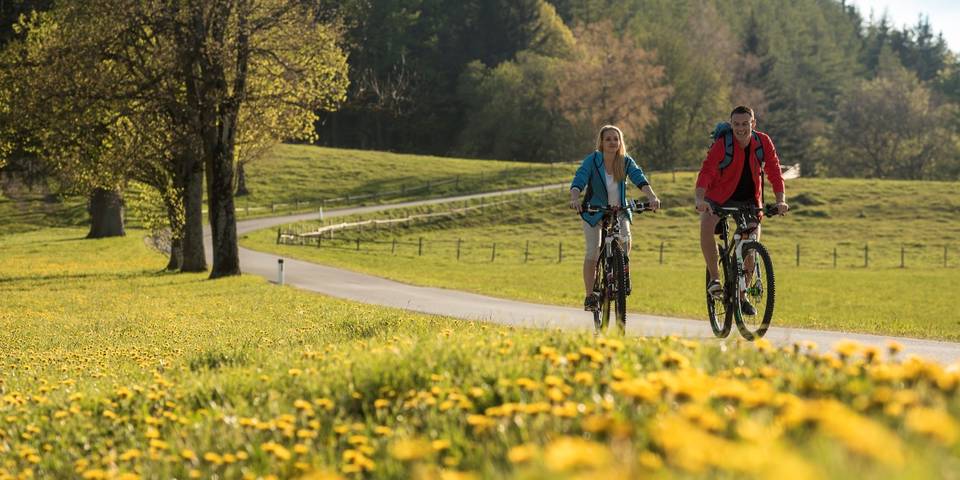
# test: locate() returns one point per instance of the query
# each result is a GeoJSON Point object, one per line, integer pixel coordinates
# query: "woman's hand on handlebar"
{"type": "Point", "coordinates": [654, 203]}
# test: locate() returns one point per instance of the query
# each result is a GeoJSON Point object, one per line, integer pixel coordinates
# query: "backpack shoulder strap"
{"type": "Point", "coordinates": [727, 150]}
{"type": "Point", "coordinates": [759, 151]}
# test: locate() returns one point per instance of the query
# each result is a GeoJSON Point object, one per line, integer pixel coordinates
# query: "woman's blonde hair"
{"type": "Point", "coordinates": [619, 169]}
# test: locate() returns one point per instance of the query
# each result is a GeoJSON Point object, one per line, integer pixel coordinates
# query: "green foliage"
{"type": "Point", "coordinates": [890, 127]}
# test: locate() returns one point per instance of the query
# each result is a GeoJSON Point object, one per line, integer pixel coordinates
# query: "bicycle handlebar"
{"type": "Point", "coordinates": [632, 205]}
{"type": "Point", "coordinates": [769, 210]}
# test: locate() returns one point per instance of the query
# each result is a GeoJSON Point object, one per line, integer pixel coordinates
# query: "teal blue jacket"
{"type": "Point", "coordinates": [590, 179]}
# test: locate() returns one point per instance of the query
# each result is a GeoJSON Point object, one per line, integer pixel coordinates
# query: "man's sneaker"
{"type": "Point", "coordinates": [590, 303]}
{"type": "Point", "coordinates": [747, 308]}
{"type": "Point", "coordinates": [715, 289]}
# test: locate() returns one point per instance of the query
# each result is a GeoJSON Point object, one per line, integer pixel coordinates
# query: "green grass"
{"type": "Point", "coordinates": [827, 214]}
{"type": "Point", "coordinates": [30, 211]}
{"type": "Point", "coordinates": [298, 177]}
{"type": "Point", "coordinates": [112, 369]}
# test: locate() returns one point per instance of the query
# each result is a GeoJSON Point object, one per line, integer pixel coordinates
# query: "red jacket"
{"type": "Point", "coordinates": [720, 186]}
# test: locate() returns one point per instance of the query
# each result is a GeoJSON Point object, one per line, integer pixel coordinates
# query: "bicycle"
{"type": "Point", "coordinates": [612, 280]}
{"type": "Point", "coordinates": [755, 283]}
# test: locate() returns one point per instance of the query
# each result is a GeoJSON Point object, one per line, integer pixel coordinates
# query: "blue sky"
{"type": "Point", "coordinates": [944, 15]}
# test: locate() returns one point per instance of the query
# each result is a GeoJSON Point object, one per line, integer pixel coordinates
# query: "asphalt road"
{"type": "Point", "coordinates": [375, 290]}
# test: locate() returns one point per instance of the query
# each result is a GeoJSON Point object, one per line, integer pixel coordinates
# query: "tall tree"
{"type": "Point", "coordinates": [609, 80]}
{"type": "Point", "coordinates": [919, 144]}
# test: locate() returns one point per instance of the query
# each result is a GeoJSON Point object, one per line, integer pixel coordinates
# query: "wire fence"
{"type": "Point", "coordinates": [645, 250]}
{"type": "Point", "coordinates": [389, 190]}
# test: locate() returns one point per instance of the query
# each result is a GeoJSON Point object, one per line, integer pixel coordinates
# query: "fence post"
{"type": "Point", "coordinates": [560, 253]}
{"type": "Point", "coordinates": [278, 235]}
{"type": "Point", "coordinates": [319, 240]}
{"type": "Point", "coordinates": [358, 244]}
{"type": "Point", "coordinates": [834, 257]}
{"type": "Point", "coordinates": [866, 255]}
{"type": "Point", "coordinates": [661, 253]}
{"type": "Point", "coordinates": [902, 255]}
{"type": "Point", "coordinates": [526, 252]}
{"type": "Point", "coordinates": [798, 254]}
{"type": "Point", "coordinates": [420, 247]}
{"type": "Point", "coordinates": [493, 254]}
{"type": "Point", "coordinates": [458, 249]}
{"type": "Point", "coordinates": [393, 249]}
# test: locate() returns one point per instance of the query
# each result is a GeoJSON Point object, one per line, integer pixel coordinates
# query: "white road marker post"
{"type": "Point", "coordinates": [280, 271]}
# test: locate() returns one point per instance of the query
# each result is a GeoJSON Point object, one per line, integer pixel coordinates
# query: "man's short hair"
{"type": "Point", "coordinates": [742, 109]}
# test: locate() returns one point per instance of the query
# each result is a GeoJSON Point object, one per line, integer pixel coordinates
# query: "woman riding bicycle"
{"type": "Point", "coordinates": [603, 175]}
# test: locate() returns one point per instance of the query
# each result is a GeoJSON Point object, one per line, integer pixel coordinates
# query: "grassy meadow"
{"type": "Point", "coordinates": [917, 219]}
{"type": "Point", "coordinates": [293, 178]}
{"type": "Point", "coordinates": [298, 177]}
{"type": "Point", "coordinates": [113, 369]}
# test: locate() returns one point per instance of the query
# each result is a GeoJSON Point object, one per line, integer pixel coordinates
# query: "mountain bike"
{"type": "Point", "coordinates": [612, 284]}
{"type": "Point", "coordinates": [746, 272]}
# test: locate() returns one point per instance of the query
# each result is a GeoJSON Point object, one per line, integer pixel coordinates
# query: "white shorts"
{"type": "Point", "coordinates": [592, 237]}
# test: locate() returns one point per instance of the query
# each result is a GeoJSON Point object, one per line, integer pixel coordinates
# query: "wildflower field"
{"type": "Point", "coordinates": [827, 216]}
{"type": "Point", "coordinates": [111, 369]}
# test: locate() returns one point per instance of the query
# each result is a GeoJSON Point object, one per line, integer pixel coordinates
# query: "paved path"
{"type": "Point", "coordinates": [375, 290]}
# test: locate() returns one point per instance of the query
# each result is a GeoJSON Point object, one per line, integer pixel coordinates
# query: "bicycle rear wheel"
{"type": "Point", "coordinates": [718, 311]}
{"type": "Point", "coordinates": [760, 291]}
{"type": "Point", "coordinates": [619, 288]}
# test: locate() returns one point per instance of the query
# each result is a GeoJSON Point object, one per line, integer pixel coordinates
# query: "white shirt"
{"type": "Point", "coordinates": [613, 190]}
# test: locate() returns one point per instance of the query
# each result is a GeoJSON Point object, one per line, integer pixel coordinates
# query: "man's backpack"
{"type": "Point", "coordinates": [725, 131]}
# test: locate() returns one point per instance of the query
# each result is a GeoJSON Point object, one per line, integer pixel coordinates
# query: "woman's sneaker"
{"type": "Point", "coordinates": [590, 303]}
{"type": "Point", "coordinates": [715, 289]}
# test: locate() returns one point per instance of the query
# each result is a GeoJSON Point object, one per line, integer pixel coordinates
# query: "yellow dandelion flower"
{"type": "Point", "coordinates": [300, 449]}
{"type": "Point", "coordinates": [937, 424]}
{"type": "Point", "coordinates": [440, 445]}
{"type": "Point", "coordinates": [152, 433]}
{"type": "Point", "coordinates": [568, 453]}
{"type": "Point", "coordinates": [521, 453]}
{"type": "Point", "coordinates": [229, 458]}
{"type": "Point", "coordinates": [583, 378]}
{"type": "Point", "coordinates": [213, 457]}
{"type": "Point", "coordinates": [188, 454]}
{"type": "Point", "coordinates": [650, 461]}
{"type": "Point", "coordinates": [294, 372]}
{"type": "Point", "coordinates": [194, 473]}
{"type": "Point", "coordinates": [131, 454]}
{"type": "Point", "coordinates": [128, 476]}
{"type": "Point", "coordinates": [94, 474]}
{"type": "Point", "coordinates": [158, 444]}
{"type": "Point", "coordinates": [382, 431]}
{"type": "Point", "coordinates": [410, 449]}
{"type": "Point", "coordinates": [894, 347]}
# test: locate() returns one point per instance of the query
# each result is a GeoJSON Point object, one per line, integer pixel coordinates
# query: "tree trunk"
{"type": "Point", "coordinates": [223, 220]}
{"type": "Point", "coordinates": [241, 181]}
{"type": "Point", "coordinates": [194, 258]}
{"type": "Point", "coordinates": [176, 254]}
{"type": "Point", "coordinates": [106, 214]}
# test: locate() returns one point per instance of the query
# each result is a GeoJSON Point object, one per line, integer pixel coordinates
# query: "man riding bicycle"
{"type": "Point", "coordinates": [732, 174]}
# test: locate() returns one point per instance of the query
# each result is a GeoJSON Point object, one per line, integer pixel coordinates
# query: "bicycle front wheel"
{"type": "Point", "coordinates": [619, 288]}
{"type": "Point", "coordinates": [718, 311]}
{"type": "Point", "coordinates": [760, 291]}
